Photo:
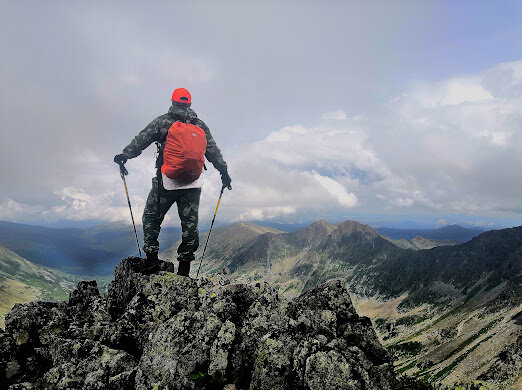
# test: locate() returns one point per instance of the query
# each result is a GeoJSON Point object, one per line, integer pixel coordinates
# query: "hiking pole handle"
{"type": "Point", "coordinates": [123, 170]}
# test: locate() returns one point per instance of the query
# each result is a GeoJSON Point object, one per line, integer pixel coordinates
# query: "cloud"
{"type": "Point", "coordinates": [443, 222]}
{"type": "Point", "coordinates": [453, 145]}
{"type": "Point", "coordinates": [504, 81]}
{"type": "Point", "coordinates": [499, 138]}
{"type": "Point", "coordinates": [339, 115]}
{"type": "Point", "coordinates": [79, 205]}
{"type": "Point", "coordinates": [445, 147]}
{"type": "Point", "coordinates": [302, 172]}
{"type": "Point", "coordinates": [337, 190]}
{"type": "Point", "coordinates": [448, 93]}
{"type": "Point", "coordinates": [265, 213]}
{"type": "Point", "coordinates": [17, 211]}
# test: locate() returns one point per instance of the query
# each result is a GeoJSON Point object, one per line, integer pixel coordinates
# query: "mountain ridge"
{"type": "Point", "coordinates": [416, 297]}
{"type": "Point", "coordinates": [449, 232]}
{"type": "Point", "coordinates": [437, 310]}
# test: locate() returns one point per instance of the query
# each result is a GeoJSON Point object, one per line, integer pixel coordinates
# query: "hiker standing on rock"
{"type": "Point", "coordinates": [183, 142]}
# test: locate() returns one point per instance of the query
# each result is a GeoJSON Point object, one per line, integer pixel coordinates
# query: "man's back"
{"type": "Point", "coordinates": [163, 193]}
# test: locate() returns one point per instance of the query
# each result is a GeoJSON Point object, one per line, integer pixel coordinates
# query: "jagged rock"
{"type": "Point", "coordinates": [88, 365]}
{"type": "Point", "coordinates": [9, 366]}
{"type": "Point", "coordinates": [164, 331]}
{"type": "Point", "coordinates": [123, 289]}
{"type": "Point", "coordinates": [84, 294]}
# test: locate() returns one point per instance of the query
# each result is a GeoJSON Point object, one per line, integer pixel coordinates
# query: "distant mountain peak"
{"type": "Point", "coordinates": [453, 226]}
{"type": "Point", "coordinates": [319, 228]}
{"type": "Point", "coordinates": [349, 227]}
{"type": "Point", "coordinates": [323, 222]}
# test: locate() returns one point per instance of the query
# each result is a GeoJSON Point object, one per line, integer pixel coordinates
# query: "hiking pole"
{"type": "Point", "coordinates": [210, 230]}
{"type": "Point", "coordinates": [123, 172]}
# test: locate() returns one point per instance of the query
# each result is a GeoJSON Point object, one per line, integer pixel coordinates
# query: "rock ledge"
{"type": "Point", "coordinates": [168, 332]}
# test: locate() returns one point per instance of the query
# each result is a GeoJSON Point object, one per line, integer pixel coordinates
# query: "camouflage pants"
{"type": "Point", "coordinates": [188, 205]}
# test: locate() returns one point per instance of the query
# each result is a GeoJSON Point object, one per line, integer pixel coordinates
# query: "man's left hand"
{"type": "Point", "coordinates": [120, 159]}
{"type": "Point", "coordinates": [226, 180]}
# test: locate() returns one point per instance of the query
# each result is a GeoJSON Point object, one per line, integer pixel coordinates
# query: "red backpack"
{"type": "Point", "coordinates": [184, 152]}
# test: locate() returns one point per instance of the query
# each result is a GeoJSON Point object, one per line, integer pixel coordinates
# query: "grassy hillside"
{"type": "Point", "coordinates": [495, 255]}
{"type": "Point", "coordinates": [22, 281]}
{"type": "Point", "coordinates": [224, 243]}
{"type": "Point", "coordinates": [419, 242]}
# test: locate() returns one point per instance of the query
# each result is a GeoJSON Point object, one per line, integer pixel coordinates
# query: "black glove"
{"type": "Point", "coordinates": [226, 180]}
{"type": "Point", "coordinates": [120, 159]}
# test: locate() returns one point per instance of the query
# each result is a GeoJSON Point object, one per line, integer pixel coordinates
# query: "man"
{"type": "Point", "coordinates": [186, 195]}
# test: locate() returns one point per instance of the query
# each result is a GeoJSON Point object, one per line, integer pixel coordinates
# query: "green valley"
{"type": "Point", "coordinates": [22, 281]}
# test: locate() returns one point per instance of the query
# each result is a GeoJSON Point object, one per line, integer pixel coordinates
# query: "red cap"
{"type": "Point", "coordinates": [181, 95]}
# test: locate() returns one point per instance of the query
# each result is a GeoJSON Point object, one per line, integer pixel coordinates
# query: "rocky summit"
{"type": "Point", "coordinates": [164, 331]}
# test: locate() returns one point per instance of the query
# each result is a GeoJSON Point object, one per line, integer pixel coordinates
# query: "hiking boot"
{"type": "Point", "coordinates": [184, 268]}
{"type": "Point", "coordinates": [152, 256]}
{"type": "Point", "coordinates": [152, 265]}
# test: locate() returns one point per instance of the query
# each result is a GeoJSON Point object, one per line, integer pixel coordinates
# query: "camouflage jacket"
{"type": "Point", "coordinates": [157, 131]}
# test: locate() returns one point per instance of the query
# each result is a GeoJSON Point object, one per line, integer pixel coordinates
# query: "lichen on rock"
{"type": "Point", "coordinates": [164, 331]}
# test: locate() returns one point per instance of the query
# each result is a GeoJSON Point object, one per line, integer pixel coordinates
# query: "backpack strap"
{"type": "Point", "coordinates": [160, 144]}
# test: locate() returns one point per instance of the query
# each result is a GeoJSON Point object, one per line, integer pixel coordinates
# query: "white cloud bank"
{"type": "Point", "coordinates": [338, 115]}
{"type": "Point", "coordinates": [448, 147]}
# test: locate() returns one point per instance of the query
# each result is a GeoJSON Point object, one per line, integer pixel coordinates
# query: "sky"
{"type": "Point", "coordinates": [390, 113]}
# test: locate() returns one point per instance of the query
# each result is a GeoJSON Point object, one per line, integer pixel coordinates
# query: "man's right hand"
{"type": "Point", "coordinates": [120, 159]}
{"type": "Point", "coordinates": [226, 180]}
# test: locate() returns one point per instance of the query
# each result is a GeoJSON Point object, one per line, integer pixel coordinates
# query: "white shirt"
{"type": "Point", "coordinates": [171, 184]}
